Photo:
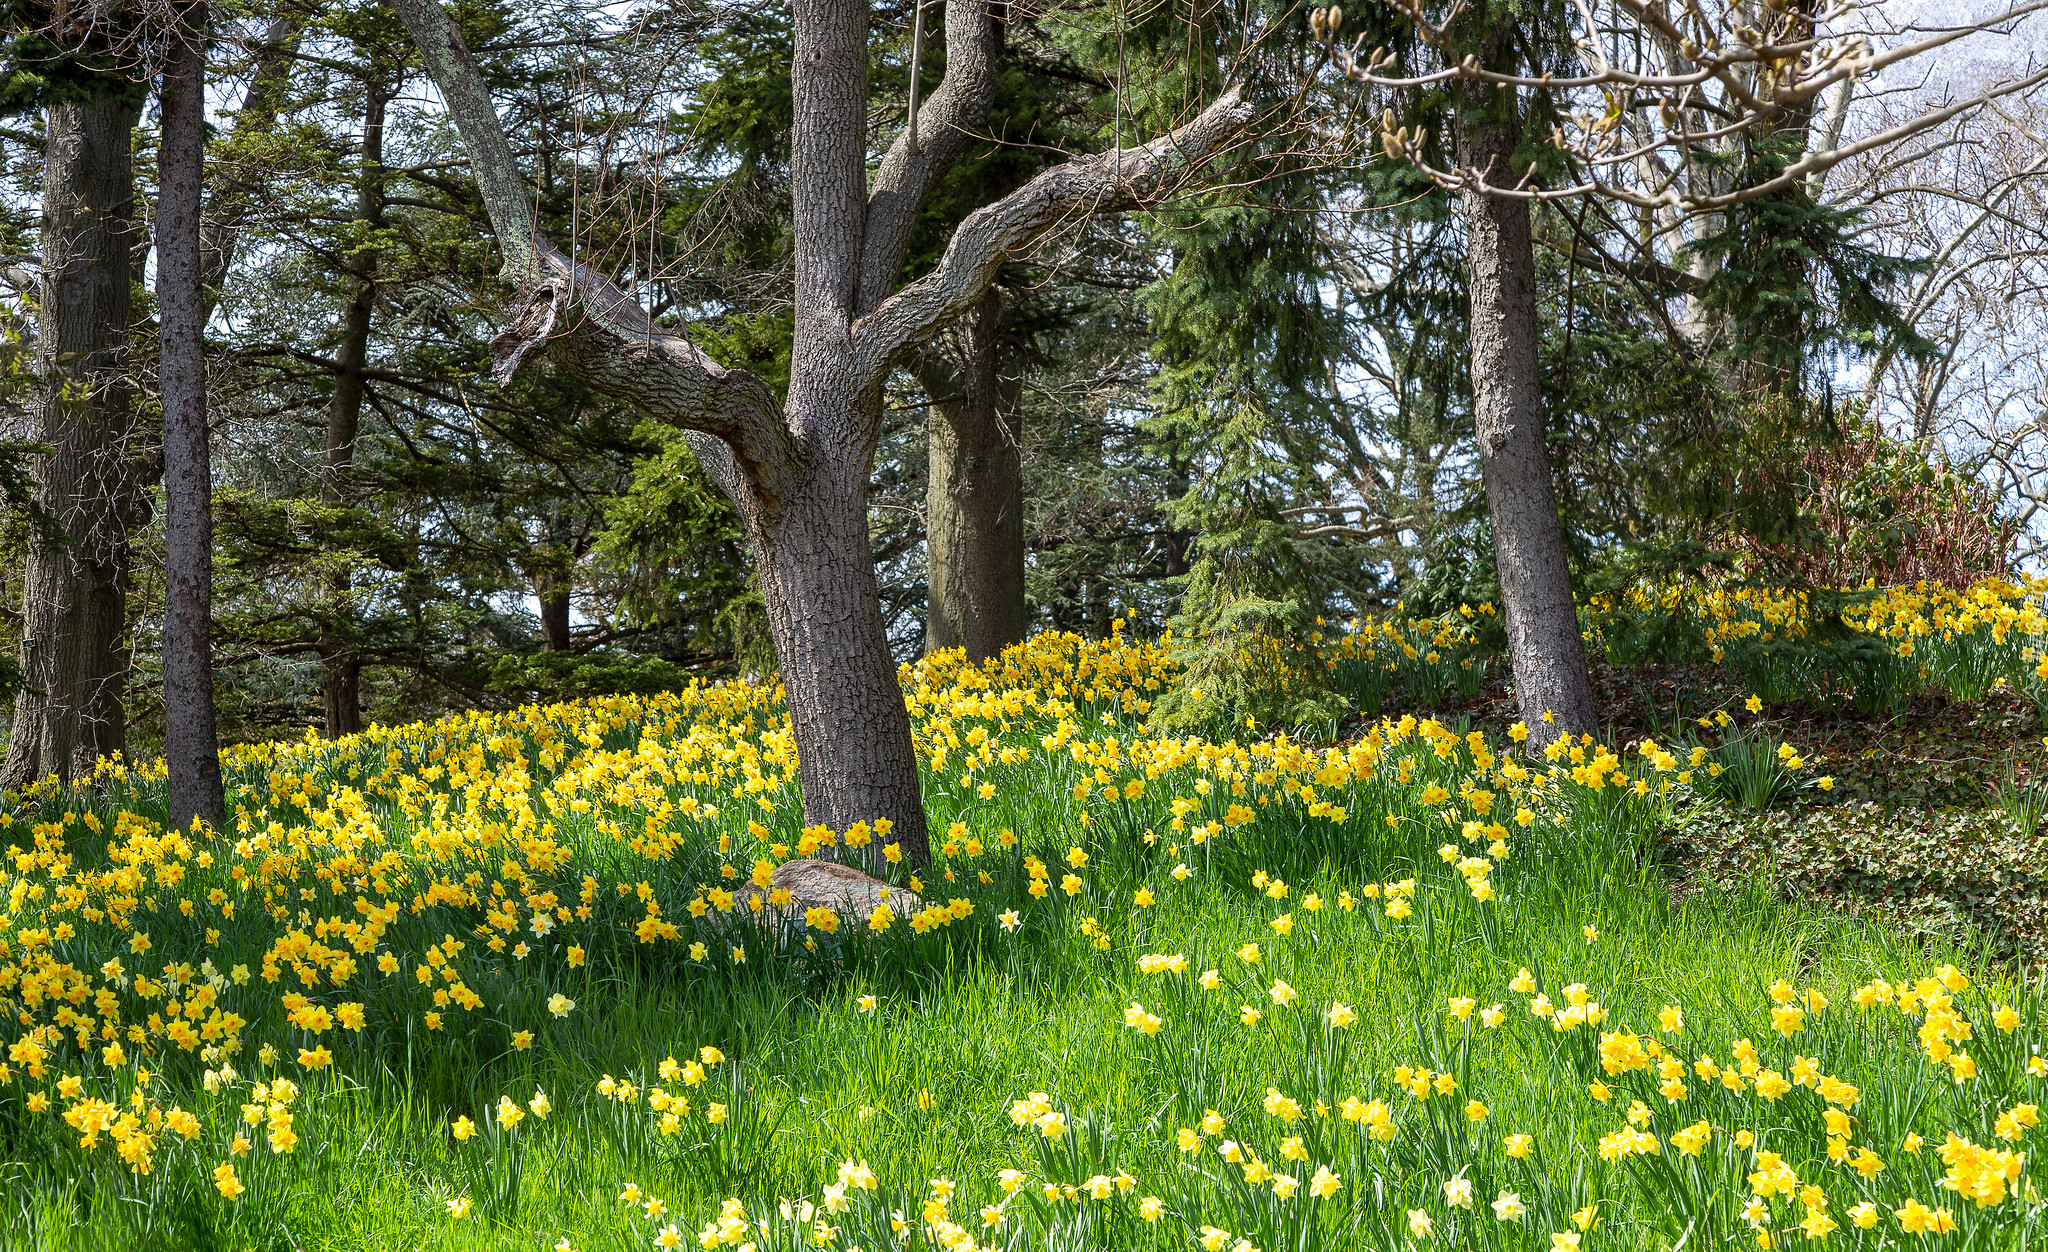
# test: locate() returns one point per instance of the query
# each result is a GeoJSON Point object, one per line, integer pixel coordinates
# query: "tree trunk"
{"type": "Point", "coordinates": [340, 663]}
{"type": "Point", "coordinates": [1176, 545]}
{"type": "Point", "coordinates": [341, 666]}
{"type": "Point", "coordinates": [553, 570]}
{"type": "Point", "coordinates": [552, 590]}
{"type": "Point", "coordinates": [341, 693]}
{"type": "Point", "coordinates": [74, 606]}
{"type": "Point", "coordinates": [1552, 685]}
{"type": "Point", "coordinates": [191, 744]}
{"type": "Point", "coordinates": [974, 539]}
{"type": "Point", "coordinates": [855, 756]}
{"type": "Point", "coordinates": [103, 634]}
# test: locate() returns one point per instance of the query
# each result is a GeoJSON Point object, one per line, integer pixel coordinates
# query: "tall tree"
{"type": "Point", "coordinates": [798, 470]}
{"type": "Point", "coordinates": [973, 372]}
{"type": "Point", "coordinates": [1553, 687]}
{"type": "Point", "coordinates": [376, 511]}
{"type": "Point", "coordinates": [341, 667]}
{"type": "Point", "coordinates": [191, 743]}
{"type": "Point", "coordinates": [93, 483]}
{"type": "Point", "coordinates": [1653, 110]}
{"type": "Point", "coordinates": [74, 611]}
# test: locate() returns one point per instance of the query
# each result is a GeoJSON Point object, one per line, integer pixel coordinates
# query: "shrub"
{"type": "Point", "coordinates": [1867, 506]}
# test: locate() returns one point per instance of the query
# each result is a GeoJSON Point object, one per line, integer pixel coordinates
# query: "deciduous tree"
{"type": "Point", "coordinates": [797, 467]}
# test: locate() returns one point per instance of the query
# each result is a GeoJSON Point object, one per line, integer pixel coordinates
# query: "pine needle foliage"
{"type": "Point", "coordinates": [1243, 334]}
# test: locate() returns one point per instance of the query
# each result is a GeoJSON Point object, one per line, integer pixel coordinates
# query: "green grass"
{"type": "Point", "coordinates": [973, 1017]}
{"type": "Point", "coordinates": [1040, 1012]}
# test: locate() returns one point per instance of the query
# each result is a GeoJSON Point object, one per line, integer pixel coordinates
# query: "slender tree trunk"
{"type": "Point", "coordinates": [554, 578]}
{"type": "Point", "coordinates": [191, 744]}
{"type": "Point", "coordinates": [74, 607]}
{"type": "Point", "coordinates": [1552, 685]}
{"type": "Point", "coordinates": [974, 541]}
{"type": "Point", "coordinates": [341, 666]}
{"type": "Point", "coordinates": [1176, 545]}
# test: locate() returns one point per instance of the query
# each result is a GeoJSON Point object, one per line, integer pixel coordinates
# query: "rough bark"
{"type": "Point", "coordinates": [974, 533]}
{"type": "Point", "coordinates": [552, 590]}
{"type": "Point", "coordinates": [855, 757]}
{"type": "Point", "coordinates": [798, 472]}
{"type": "Point", "coordinates": [191, 744]}
{"type": "Point", "coordinates": [554, 579]}
{"type": "Point", "coordinates": [103, 638]}
{"type": "Point", "coordinates": [1552, 685]}
{"type": "Point", "coordinates": [341, 693]}
{"type": "Point", "coordinates": [74, 610]}
{"type": "Point", "coordinates": [341, 666]}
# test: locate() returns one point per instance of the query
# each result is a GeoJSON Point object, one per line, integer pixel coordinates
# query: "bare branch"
{"type": "Point", "coordinates": [1107, 182]}
{"type": "Point", "coordinates": [220, 226]}
{"type": "Point", "coordinates": [598, 333]}
{"type": "Point", "coordinates": [1766, 66]}
{"type": "Point", "coordinates": [928, 146]}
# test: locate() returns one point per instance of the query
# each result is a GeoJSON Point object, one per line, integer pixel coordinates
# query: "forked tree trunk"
{"type": "Point", "coordinates": [74, 607]}
{"type": "Point", "coordinates": [798, 471]}
{"type": "Point", "coordinates": [191, 743]}
{"type": "Point", "coordinates": [1552, 685]}
{"type": "Point", "coordinates": [974, 537]}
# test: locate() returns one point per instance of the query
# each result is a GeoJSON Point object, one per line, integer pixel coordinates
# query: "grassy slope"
{"type": "Point", "coordinates": [977, 1018]}
{"type": "Point", "coordinates": [1044, 1012]}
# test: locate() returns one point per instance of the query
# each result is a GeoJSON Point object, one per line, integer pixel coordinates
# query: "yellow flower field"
{"type": "Point", "coordinates": [512, 979]}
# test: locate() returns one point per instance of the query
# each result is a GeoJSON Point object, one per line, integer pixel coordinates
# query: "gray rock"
{"type": "Point", "coordinates": [814, 883]}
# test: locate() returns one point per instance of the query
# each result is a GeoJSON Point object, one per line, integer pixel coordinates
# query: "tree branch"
{"type": "Point", "coordinates": [498, 177]}
{"type": "Point", "coordinates": [596, 332]}
{"type": "Point", "coordinates": [1767, 65]}
{"type": "Point", "coordinates": [922, 154]}
{"type": "Point", "coordinates": [1108, 182]}
{"type": "Point", "coordinates": [220, 226]}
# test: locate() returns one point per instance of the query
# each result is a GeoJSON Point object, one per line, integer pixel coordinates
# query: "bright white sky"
{"type": "Point", "coordinates": [1975, 55]}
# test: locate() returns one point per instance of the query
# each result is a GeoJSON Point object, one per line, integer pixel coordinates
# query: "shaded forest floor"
{"type": "Point", "coordinates": [1911, 832]}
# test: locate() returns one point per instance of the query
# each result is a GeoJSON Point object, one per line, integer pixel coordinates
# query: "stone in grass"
{"type": "Point", "coordinates": [813, 883]}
